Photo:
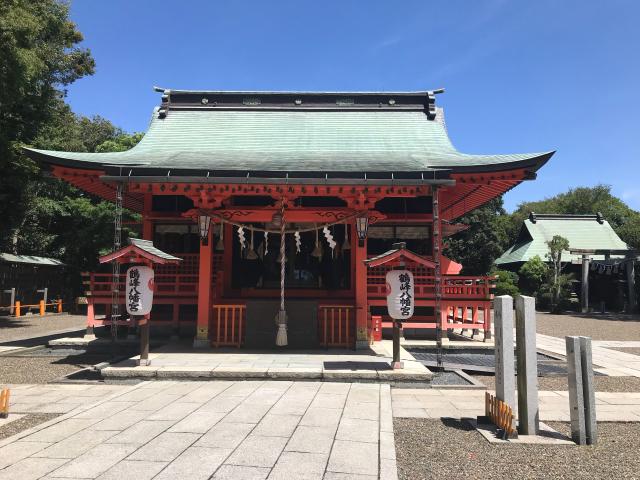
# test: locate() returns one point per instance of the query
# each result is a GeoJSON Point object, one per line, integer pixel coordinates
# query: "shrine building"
{"type": "Point", "coordinates": [220, 176]}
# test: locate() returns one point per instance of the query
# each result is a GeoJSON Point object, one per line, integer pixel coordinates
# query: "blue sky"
{"type": "Point", "coordinates": [520, 76]}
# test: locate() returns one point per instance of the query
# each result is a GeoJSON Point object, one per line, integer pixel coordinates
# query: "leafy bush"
{"type": "Point", "coordinates": [532, 275]}
{"type": "Point", "coordinates": [506, 283]}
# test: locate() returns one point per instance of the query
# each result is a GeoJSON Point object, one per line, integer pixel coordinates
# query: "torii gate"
{"type": "Point", "coordinates": [630, 257]}
{"type": "Point", "coordinates": [141, 252]}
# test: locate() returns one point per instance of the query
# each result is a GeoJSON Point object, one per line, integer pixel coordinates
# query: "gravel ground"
{"type": "Point", "coordinates": [598, 327]}
{"type": "Point", "coordinates": [33, 369]}
{"type": "Point", "coordinates": [13, 329]}
{"type": "Point", "coordinates": [448, 448]}
{"type": "Point", "coordinates": [25, 423]}
{"type": "Point", "coordinates": [601, 384]}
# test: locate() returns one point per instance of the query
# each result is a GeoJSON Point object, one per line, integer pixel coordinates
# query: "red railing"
{"type": "Point", "coordinates": [228, 325]}
{"type": "Point", "coordinates": [336, 325]}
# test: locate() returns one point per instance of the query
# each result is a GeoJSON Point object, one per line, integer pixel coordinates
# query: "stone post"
{"type": "Point", "coordinates": [589, 395]}
{"type": "Point", "coordinates": [576, 399]}
{"type": "Point", "coordinates": [528, 413]}
{"type": "Point", "coordinates": [505, 374]}
{"type": "Point", "coordinates": [584, 295]}
{"type": "Point", "coordinates": [631, 283]}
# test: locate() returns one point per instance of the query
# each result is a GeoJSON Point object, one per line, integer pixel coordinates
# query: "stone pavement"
{"type": "Point", "coordinates": [57, 397]}
{"type": "Point", "coordinates": [611, 362]}
{"type": "Point", "coordinates": [176, 362]}
{"type": "Point", "coordinates": [554, 405]}
{"type": "Point", "coordinates": [214, 429]}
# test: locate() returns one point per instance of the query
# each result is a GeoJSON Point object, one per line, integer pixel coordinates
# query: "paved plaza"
{"type": "Point", "coordinates": [176, 362]}
{"type": "Point", "coordinates": [214, 429]}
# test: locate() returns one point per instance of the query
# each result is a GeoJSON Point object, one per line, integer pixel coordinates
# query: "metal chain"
{"type": "Point", "coordinates": [437, 274]}
{"type": "Point", "coordinates": [115, 265]}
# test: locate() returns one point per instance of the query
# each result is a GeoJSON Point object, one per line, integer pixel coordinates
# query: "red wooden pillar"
{"type": "Point", "coordinates": [147, 224]}
{"type": "Point", "coordinates": [360, 280]}
{"type": "Point", "coordinates": [204, 292]}
{"type": "Point", "coordinates": [227, 257]}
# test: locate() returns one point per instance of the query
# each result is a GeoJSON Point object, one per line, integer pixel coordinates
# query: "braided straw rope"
{"type": "Point", "coordinates": [282, 259]}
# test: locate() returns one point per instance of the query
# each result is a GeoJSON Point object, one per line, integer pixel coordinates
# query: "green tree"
{"type": "Point", "coordinates": [477, 247]}
{"type": "Point", "coordinates": [532, 275]}
{"type": "Point", "coordinates": [582, 201]}
{"type": "Point", "coordinates": [506, 283]}
{"type": "Point", "coordinates": [558, 284]}
{"type": "Point", "coordinates": [39, 56]}
{"type": "Point", "coordinates": [120, 143]}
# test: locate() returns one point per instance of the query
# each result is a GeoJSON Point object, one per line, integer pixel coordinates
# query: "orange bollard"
{"type": "Point", "coordinates": [41, 308]}
{"type": "Point", "coordinates": [4, 403]}
{"type": "Point", "coordinates": [60, 306]}
{"type": "Point", "coordinates": [17, 309]}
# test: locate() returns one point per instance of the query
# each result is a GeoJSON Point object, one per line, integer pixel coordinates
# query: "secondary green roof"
{"type": "Point", "coordinates": [583, 232]}
{"type": "Point", "coordinates": [30, 259]}
{"type": "Point", "coordinates": [293, 132]}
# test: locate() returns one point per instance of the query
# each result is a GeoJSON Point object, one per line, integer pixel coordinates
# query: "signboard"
{"type": "Point", "coordinates": [139, 283]}
{"type": "Point", "coordinates": [400, 294]}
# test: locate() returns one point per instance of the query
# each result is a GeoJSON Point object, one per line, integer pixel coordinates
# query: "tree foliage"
{"type": "Point", "coordinates": [532, 275]}
{"type": "Point", "coordinates": [584, 201]}
{"type": "Point", "coordinates": [506, 283]}
{"type": "Point", "coordinates": [39, 56]}
{"type": "Point", "coordinates": [557, 284]}
{"type": "Point", "coordinates": [477, 247]}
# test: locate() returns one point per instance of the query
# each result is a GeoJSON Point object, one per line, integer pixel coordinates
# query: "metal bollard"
{"type": "Point", "coordinates": [60, 306]}
{"type": "Point", "coordinates": [42, 308]}
{"type": "Point", "coordinates": [17, 309]}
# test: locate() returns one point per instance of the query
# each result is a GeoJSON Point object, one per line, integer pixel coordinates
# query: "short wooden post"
{"type": "Point", "coordinates": [59, 305]}
{"type": "Point", "coordinates": [143, 325]}
{"type": "Point", "coordinates": [397, 328]}
{"type": "Point", "coordinates": [4, 403]}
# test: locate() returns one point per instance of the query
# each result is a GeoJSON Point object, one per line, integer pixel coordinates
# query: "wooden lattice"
{"type": "Point", "coordinates": [500, 414]}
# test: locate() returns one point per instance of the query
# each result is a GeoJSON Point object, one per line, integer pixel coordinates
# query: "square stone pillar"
{"type": "Point", "coordinates": [528, 412]}
{"type": "Point", "coordinates": [505, 361]}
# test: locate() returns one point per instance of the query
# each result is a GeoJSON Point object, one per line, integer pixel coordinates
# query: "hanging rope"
{"type": "Point", "coordinates": [281, 319]}
{"type": "Point", "coordinates": [282, 259]}
{"type": "Point", "coordinates": [221, 219]}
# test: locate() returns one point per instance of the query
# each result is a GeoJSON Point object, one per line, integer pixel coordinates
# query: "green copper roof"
{"type": "Point", "coordinates": [366, 133]}
{"type": "Point", "coordinates": [582, 231]}
{"type": "Point", "coordinates": [30, 259]}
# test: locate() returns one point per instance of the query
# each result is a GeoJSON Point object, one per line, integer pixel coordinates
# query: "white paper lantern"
{"type": "Point", "coordinates": [139, 282]}
{"type": "Point", "coordinates": [400, 297]}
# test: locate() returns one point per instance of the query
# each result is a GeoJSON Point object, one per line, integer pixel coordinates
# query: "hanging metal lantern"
{"type": "Point", "coordinates": [220, 243]}
{"type": "Point", "coordinates": [317, 251]}
{"type": "Point", "coordinates": [362, 226]}
{"type": "Point", "coordinates": [251, 254]}
{"type": "Point", "coordinates": [204, 222]}
{"type": "Point", "coordinates": [346, 245]}
{"type": "Point", "coordinates": [276, 220]}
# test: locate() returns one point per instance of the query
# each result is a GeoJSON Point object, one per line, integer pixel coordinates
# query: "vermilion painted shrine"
{"type": "Point", "coordinates": [371, 169]}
